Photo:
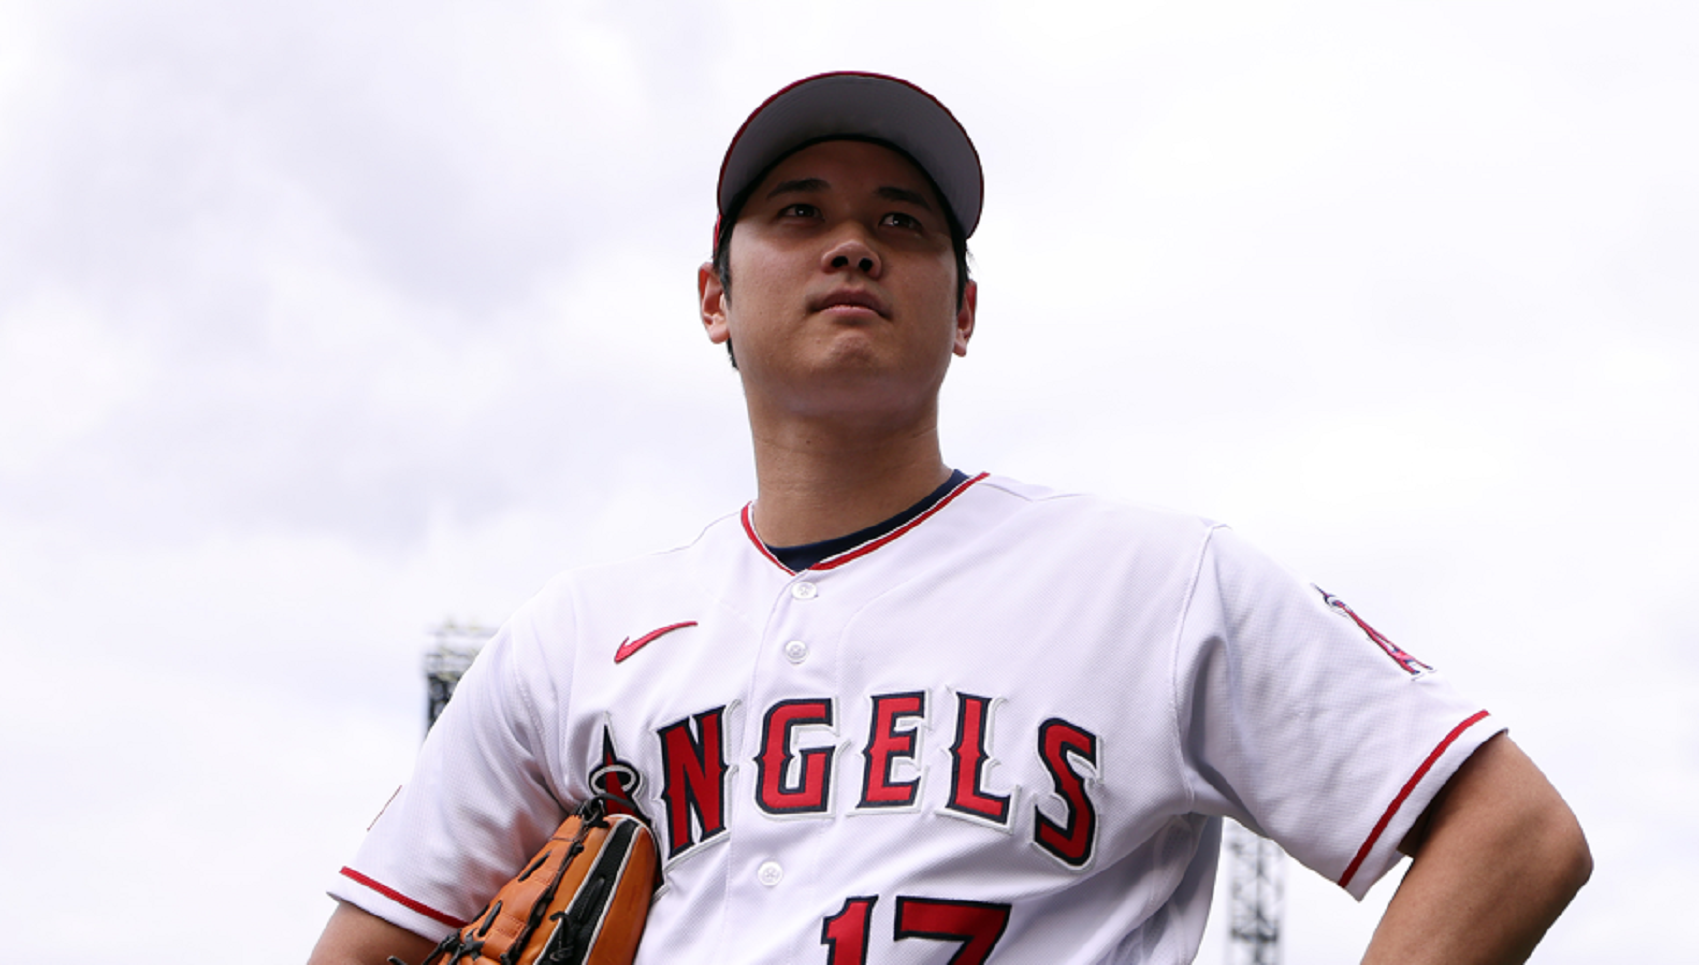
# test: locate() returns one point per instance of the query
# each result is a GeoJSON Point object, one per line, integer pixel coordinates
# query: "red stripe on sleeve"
{"type": "Point", "coordinates": [1397, 802]}
{"type": "Point", "coordinates": [402, 899]}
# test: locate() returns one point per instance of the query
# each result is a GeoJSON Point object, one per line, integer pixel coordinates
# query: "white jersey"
{"type": "Point", "coordinates": [1005, 732]}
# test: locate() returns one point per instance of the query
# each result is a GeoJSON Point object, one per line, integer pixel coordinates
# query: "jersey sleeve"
{"type": "Point", "coordinates": [481, 799]}
{"type": "Point", "coordinates": [1303, 724]}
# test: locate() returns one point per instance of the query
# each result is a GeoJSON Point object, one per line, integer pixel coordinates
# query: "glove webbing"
{"type": "Point", "coordinates": [591, 814]}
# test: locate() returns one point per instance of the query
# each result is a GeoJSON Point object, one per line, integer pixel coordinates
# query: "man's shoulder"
{"type": "Point", "coordinates": [715, 538]}
{"type": "Point", "coordinates": [1092, 512]}
{"type": "Point", "coordinates": [649, 586]}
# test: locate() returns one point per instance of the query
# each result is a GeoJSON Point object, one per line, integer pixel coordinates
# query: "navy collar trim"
{"type": "Point", "coordinates": [831, 553]}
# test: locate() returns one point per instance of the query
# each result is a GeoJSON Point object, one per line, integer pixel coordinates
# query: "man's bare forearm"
{"type": "Point", "coordinates": [1500, 858]}
{"type": "Point", "coordinates": [354, 937]}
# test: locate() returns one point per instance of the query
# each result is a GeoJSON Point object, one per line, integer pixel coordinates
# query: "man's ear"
{"type": "Point", "coordinates": [712, 295]}
{"type": "Point", "coordinates": [964, 316]}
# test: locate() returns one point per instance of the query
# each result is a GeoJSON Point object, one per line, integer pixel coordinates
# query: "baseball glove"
{"type": "Point", "coordinates": [581, 901]}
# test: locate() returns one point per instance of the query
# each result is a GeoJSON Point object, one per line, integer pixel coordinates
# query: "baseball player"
{"type": "Point", "coordinates": [892, 712]}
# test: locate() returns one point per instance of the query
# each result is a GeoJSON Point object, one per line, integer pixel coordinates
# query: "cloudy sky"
{"type": "Point", "coordinates": [322, 323]}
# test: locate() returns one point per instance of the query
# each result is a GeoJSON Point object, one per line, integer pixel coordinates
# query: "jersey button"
{"type": "Point", "coordinates": [796, 651]}
{"type": "Point", "coordinates": [804, 591]}
{"type": "Point", "coordinates": [769, 873]}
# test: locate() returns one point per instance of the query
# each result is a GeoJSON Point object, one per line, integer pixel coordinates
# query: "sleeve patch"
{"type": "Point", "coordinates": [1412, 666]}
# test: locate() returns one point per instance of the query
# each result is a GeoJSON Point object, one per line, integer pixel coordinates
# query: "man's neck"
{"type": "Point", "coordinates": [819, 482]}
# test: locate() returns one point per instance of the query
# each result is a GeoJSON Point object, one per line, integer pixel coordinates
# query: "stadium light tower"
{"type": "Point", "coordinates": [1258, 896]}
{"type": "Point", "coordinates": [451, 652]}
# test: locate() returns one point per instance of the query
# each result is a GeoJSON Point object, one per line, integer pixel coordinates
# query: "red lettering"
{"type": "Point", "coordinates": [888, 741]}
{"type": "Point", "coordinates": [968, 758]}
{"type": "Point", "coordinates": [777, 790]}
{"type": "Point", "coordinates": [1059, 745]}
{"type": "Point", "coordinates": [695, 768]}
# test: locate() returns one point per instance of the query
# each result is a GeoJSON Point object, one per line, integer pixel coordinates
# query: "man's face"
{"type": "Point", "coordinates": [845, 285]}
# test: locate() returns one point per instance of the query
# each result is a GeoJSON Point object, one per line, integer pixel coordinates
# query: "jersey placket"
{"type": "Point", "coordinates": [788, 765]}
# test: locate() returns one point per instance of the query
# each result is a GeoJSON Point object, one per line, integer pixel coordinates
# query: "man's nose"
{"type": "Point", "coordinates": [853, 253]}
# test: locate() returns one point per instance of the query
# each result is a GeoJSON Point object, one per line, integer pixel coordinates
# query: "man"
{"type": "Point", "coordinates": [890, 712]}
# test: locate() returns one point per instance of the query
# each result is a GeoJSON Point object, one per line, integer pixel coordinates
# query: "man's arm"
{"type": "Point", "coordinates": [356, 937]}
{"type": "Point", "coordinates": [1498, 855]}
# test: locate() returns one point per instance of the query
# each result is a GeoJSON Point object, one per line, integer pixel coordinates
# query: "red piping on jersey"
{"type": "Point", "coordinates": [1409, 786]}
{"type": "Point", "coordinates": [872, 545]}
{"type": "Point", "coordinates": [867, 547]}
{"type": "Point", "coordinates": [749, 527]}
{"type": "Point", "coordinates": [402, 899]}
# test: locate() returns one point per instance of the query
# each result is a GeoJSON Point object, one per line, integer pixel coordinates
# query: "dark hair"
{"type": "Point", "coordinates": [723, 243]}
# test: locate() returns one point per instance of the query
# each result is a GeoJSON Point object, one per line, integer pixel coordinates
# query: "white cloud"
{"type": "Point", "coordinates": [62, 375]}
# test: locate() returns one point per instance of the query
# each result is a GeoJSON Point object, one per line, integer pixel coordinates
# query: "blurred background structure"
{"type": "Point", "coordinates": [1256, 889]}
{"type": "Point", "coordinates": [452, 650]}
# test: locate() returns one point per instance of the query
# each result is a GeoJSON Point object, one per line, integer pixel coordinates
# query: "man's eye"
{"type": "Point", "coordinates": [798, 210]}
{"type": "Point", "coordinates": [898, 219]}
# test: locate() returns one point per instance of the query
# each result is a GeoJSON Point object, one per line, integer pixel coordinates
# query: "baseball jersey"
{"type": "Point", "coordinates": [1004, 731]}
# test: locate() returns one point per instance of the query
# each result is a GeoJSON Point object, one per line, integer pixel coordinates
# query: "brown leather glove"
{"type": "Point", "coordinates": [581, 901]}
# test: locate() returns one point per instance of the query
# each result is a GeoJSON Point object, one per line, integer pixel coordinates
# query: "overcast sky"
{"type": "Point", "coordinates": [322, 322]}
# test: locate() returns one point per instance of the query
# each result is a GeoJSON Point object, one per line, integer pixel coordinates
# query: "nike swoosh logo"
{"type": "Point", "coordinates": [628, 646]}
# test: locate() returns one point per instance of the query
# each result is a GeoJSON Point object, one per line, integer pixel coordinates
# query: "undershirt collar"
{"type": "Point", "coordinates": [799, 558]}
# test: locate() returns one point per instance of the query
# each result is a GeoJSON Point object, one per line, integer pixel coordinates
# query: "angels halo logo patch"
{"type": "Point", "coordinates": [1411, 665]}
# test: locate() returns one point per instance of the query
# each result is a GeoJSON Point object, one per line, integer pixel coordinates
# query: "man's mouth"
{"type": "Point", "coordinates": [851, 298]}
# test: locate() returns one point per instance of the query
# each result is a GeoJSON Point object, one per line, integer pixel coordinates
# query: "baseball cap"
{"type": "Point", "coordinates": [860, 105]}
